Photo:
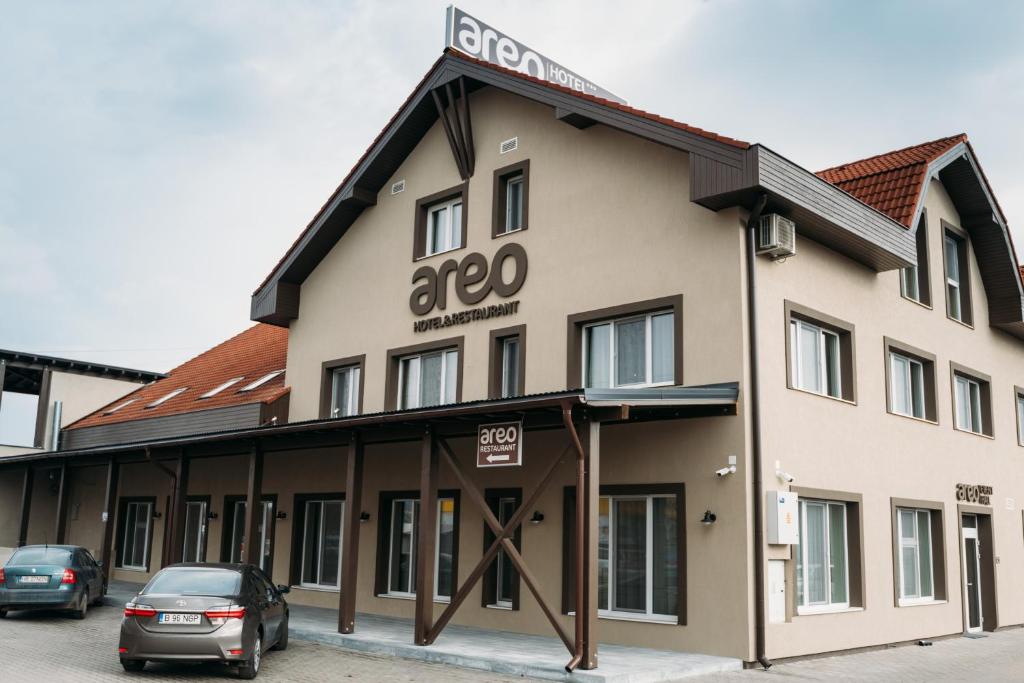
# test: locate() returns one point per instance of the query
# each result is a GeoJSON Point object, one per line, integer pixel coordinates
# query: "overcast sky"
{"type": "Point", "coordinates": [157, 158]}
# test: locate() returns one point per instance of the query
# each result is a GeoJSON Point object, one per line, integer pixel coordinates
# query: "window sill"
{"type": "Point", "coordinates": [138, 570]}
{"type": "Point", "coordinates": [505, 608]}
{"type": "Point", "coordinates": [810, 612]}
{"type": "Point", "coordinates": [920, 603]}
{"type": "Point", "coordinates": [499, 235]}
{"type": "Point", "coordinates": [838, 399]}
{"type": "Point", "coordinates": [924, 420]}
{"type": "Point", "coordinates": [411, 597]}
{"type": "Point", "coordinates": [970, 433]}
{"type": "Point", "coordinates": [639, 618]}
{"type": "Point", "coordinates": [915, 301]}
{"type": "Point", "coordinates": [960, 322]}
{"type": "Point", "coordinates": [437, 253]}
{"type": "Point", "coordinates": [316, 589]}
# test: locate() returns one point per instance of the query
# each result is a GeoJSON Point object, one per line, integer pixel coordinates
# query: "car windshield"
{"type": "Point", "coordinates": [27, 556]}
{"type": "Point", "coordinates": [187, 581]}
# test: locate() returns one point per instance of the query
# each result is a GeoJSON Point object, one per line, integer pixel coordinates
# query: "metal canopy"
{"type": "Point", "coordinates": [34, 364]}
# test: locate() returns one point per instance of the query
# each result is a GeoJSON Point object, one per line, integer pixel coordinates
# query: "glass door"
{"type": "Point", "coordinates": [972, 573]}
{"type": "Point", "coordinates": [264, 531]}
{"type": "Point", "coordinates": [194, 549]}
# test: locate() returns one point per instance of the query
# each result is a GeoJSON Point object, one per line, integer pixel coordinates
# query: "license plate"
{"type": "Point", "coordinates": [184, 619]}
{"type": "Point", "coordinates": [34, 579]}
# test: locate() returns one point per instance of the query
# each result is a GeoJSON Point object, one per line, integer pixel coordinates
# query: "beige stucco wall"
{"type": "Point", "coordinates": [830, 444]}
{"type": "Point", "coordinates": [80, 395]}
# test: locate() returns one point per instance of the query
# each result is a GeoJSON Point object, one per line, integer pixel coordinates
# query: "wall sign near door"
{"type": "Point", "coordinates": [974, 493]}
{"type": "Point", "coordinates": [499, 444]}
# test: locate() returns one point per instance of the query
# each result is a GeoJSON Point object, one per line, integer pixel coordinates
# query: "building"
{"type": "Point", "coordinates": [686, 374]}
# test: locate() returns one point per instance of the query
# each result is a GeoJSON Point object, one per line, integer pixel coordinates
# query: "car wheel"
{"type": "Point", "coordinates": [3, 612]}
{"type": "Point", "coordinates": [83, 607]}
{"type": "Point", "coordinates": [282, 640]}
{"type": "Point", "coordinates": [133, 665]}
{"type": "Point", "coordinates": [248, 670]}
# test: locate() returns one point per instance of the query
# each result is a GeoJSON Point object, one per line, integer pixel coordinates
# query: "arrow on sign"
{"type": "Point", "coordinates": [498, 458]}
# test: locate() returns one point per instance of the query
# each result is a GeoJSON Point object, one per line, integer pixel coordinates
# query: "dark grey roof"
{"type": "Point", "coordinates": [37, 361]}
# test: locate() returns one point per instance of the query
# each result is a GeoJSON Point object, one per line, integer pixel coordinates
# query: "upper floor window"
{"type": "Point", "coordinates": [511, 199]}
{"type": "Point", "coordinates": [440, 223]}
{"type": "Point", "coordinates": [630, 352]}
{"type": "Point", "coordinates": [1019, 394]}
{"type": "Point", "coordinates": [428, 379]}
{"type": "Point", "coordinates": [972, 401]}
{"type": "Point", "coordinates": [167, 397]}
{"type": "Point", "coordinates": [261, 381]}
{"type": "Point", "coordinates": [345, 391]}
{"type": "Point", "coordinates": [914, 280]}
{"type": "Point", "coordinates": [119, 406]}
{"type": "Point", "coordinates": [910, 378]}
{"type": "Point", "coordinates": [221, 387]}
{"type": "Point", "coordinates": [958, 294]}
{"type": "Point", "coordinates": [507, 353]}
{"type": "Point", "coordinates": [820, 353]}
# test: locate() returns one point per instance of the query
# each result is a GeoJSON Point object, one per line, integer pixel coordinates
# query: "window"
{"type": "Point", "coordinates": [428, 379]}
{"type": "Point", "coordinates": [501, 581]}
{"type": "Point", "coordinates": [440, 223]}
{"type": "Point", "coordinates": [507, 371]}
{"type": "Point", "coordinates": [321, 543]}
{"type": "Point", "coordinates": [196, 515]}
{"type": "Point", "coordinates": [972, 406]}
{"type": "Point", "coordinates": [233, 544]}
{"type": "Point", "coordinates": [914, 280]}
{"type": "Point", "coordinates": [958, 298]}
{"type": "Point", "coordinates": [167, 397]}
{"type": "Point", "coordinates": [216, 390]}
{"type": "Point", "coordinates": [511, 199]}
{"type": "Point", "coordinates": [1019, 396]}
{"type": "Point", "coordinates": [915, 556]}
{"type": "Point", "coordinates": [910, 381]}
{"type": "Point", "coordinates": [261, 381]}
{"type": "Point", "coordinates": [135, 529]}
{"type": "Point", "coordinates": [630, 352]}
{"type": "Point", "coordinates": [641, 551]}
{"type": "Point", "coordinates": [822, 557]}
{"type": "Point", "coordinates": [400, 516]}
{"type": "Point", "coordinates": [345, 391]}
{"type": "Point", "coordinates": [820, 353]}
{"type": "Point", "coordinates": [120, 406]}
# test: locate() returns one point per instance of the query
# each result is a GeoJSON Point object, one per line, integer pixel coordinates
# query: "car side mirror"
{"type": "Point", "coordinates": [283, 588]}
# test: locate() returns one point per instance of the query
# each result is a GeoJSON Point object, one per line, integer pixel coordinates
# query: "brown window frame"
{"type": "Point", "coordinates": [678, 489]}
{"type": "Point", "coordinates": [576, 323]}
{"type": "Point", "coordinates": [385, 506]}
{"type": "Point", "coordinates": [327, 386]}
{"type": "Point", "coordinates": [122, 504]}
{"type": "Point", "coordinates": [495, 360]}
{"type": "Point", "coordinates": [490, 577]}
{"type": "Point", "coordinates": [985, 386]}
{"type": "Point", "coordinates": [938, 543]}
{"type": "Point", "coordinates": [1018, 395]}
{"type": "Point", "coordinates": [423, 205]}
{"type": "Point", "coordinates": [928, 362]}
{"type": "Point", "coordinates": [299, 534]}
{"type": "Point", "coordinates": [500, 195]}
{"type": "Point", "coordinates": [847, 333]}
{"type": "Point", "coordinates": [394, 357]}
{"type": "Point", "coordinates": [963, 258]}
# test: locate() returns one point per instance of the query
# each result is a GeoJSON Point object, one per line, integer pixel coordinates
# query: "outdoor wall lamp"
{"type": "Point", "coordinates": [537, 518]}
{"type": "Point", "coordinates": [281, 514]}
{"type": "Point", "coordinates": [211, 515]}
{"type": "Point", "coordinates": [709, 518]}
{"type": "Point", "coordinates": [157, 514]}
{"type": "Point", "coordinates": [364, 516]}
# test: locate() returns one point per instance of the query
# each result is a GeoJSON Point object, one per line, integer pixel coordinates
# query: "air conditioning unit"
{"type": "Point", "coordinates": [776, 236]}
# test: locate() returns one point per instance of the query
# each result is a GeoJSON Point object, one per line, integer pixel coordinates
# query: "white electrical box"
{"type": "Point", "coordinates": [782, 517]}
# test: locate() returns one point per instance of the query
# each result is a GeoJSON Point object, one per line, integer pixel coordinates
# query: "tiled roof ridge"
{"type": "Point", "coordinates": [959, 137]}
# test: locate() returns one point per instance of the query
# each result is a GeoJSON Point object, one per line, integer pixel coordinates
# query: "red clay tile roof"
{"type": "Point", "coordinates": [258, 351]}
{"type": "Point", "coordinates": [515, 74]}
{"type": "Point", "coordinates": [891, 182]}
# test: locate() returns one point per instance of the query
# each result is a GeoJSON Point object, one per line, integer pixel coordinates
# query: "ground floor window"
{"type": "Point", "coordinates": [399, 547]}
{"type": "Point", "coordinates": [915, 557]}
{"type": "Point", "coordinates": [501, 581]}
{"type": "Point", "coordinates": [822, 557]}
{"type": "Point", "coordinates": [321, 543]}
{"type": "Point", "coordinates": [234, 525]}
{"type": "Point", "coordinates": [136, 531]}
{"type": "Point", "coordinates": [196, 515]}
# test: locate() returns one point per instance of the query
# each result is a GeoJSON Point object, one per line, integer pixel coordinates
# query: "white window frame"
{"type": "Point", "coordinates": [509, 381]}
{"type": "Point", "coordinates": [803, 607]}
{"type": "Point", "coordinates": [138, 505]}
{"type": "Point", "coordinates": [267, 509]}
{"type": "Point", "coordinates": [911, 398]}
{"type": "Point", "coordinates": [518, 179]}
{"type": "Point", "coordinates": [452, 239]}
{"type": "Point", "coordinates": [614, 349]}
{"type": "Point", "coordinates": [1019, 402]}
{"type": "Point", "coordinates": [915, 544]}
{"type": "Point", "coordinates": [167, 397]}
{"type": "Point", "coordinates": [414, 550]}
{"type": "Point", "coordinates": [797, 372]}
{"type": "Point", "coordinates": [261, 381]}
{"type": "Point", "coordinates": [415, 363]}
{"type": "Point", "coordinates": [351, 400]}
{"type": "Point", "coordinates": [909, 285]}
{"type": "Point", "coordinates": [323, 502]}
{"type": "Point", "coordinates": [203, 528]}
{"type": "Point", "coordinates": [499, 574]}
{"type": "Point", "coordinates": [216, 390]}
{"type": "Point", "coordinates": [951, 246]}
{"type": "Point", "coordinates": [120, 406]}
{"type": "Point", "coordinates": [607, 611]}
{"type": "Point", "coordinates": [974, 410]}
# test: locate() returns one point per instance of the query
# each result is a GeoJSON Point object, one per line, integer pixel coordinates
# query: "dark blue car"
{"type": "Point", "coordinates": [53, 577]}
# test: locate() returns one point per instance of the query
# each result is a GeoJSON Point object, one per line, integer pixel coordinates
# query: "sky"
{"type": "Point", "coordinates": [158, 158]}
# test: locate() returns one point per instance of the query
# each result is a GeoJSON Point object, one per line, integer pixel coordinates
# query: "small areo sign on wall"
{"type": "Point", "coordinates": [499, 444]}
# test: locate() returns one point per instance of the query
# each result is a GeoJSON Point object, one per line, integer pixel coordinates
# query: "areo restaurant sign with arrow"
{"type": "Point", "coordinates": [475, 38]}
{"type": "Point", "coordinates": [499, 444]}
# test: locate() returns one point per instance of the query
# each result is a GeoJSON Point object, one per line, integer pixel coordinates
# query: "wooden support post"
{"type": "Point", "coordinates": [62, 505]}
{"type": "Point", "coordinates": [426, 546]}
{"type": "Point", "coordinates": [590, 435]}
{"type": "Point", "coordinates": [176, 524]}
{"type": "Point", "coordinates": [253, 507]}
{"type": "Point", "coordinates": [26, 505]}
{"type": "Point", "coordinates": [350, 535]}
{"type": "Point", "coordinates": [109, 503]}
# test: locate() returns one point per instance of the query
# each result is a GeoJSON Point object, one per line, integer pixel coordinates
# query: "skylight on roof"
{"type": "Point", "coordinates": [261, 381]}
{"type": "Point", "coordinates": [119, 406]}
{"type": "Point", "coordinates": [168, 397]}
{"type": "Point", "coordinates": [222, 387]}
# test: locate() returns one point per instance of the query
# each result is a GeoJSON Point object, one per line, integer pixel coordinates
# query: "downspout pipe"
{"type": "Point", "coordinates": [755, 432]}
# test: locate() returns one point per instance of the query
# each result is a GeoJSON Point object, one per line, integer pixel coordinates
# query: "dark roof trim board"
{"type": "Point", "coordinates": [35, 361]}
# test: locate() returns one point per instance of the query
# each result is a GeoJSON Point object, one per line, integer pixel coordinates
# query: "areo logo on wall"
{"type": "Point", "coordinates": [472, 36]}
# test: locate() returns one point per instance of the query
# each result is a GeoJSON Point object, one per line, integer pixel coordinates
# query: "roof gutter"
{"type": "Point", "coordinates": [755, 432]}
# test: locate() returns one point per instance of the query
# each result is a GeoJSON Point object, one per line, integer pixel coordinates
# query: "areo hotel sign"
{"type": "Point", "coordinates": [472, 36]}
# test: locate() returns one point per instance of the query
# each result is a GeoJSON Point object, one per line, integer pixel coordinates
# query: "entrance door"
{"type": "Point", "coordinates": [972, 573]}
{"type": "Point", "coordinates": [264, 531]}
{"type": "Point", "coordinates": [194, 549]}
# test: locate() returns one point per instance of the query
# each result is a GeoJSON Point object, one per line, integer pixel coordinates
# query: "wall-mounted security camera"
{"type": "Point", "coordinates": [785, 476]}
{"type": "Point", "coordinates": [728, 469]}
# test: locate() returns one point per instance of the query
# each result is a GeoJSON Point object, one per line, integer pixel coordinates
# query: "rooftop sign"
{"type": "Point", "coordinates": [477, 39]}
